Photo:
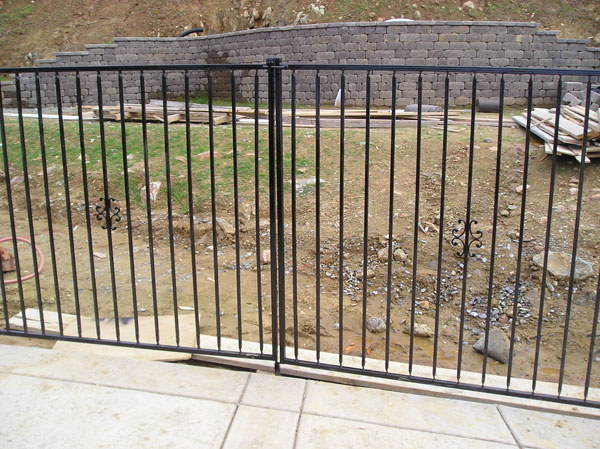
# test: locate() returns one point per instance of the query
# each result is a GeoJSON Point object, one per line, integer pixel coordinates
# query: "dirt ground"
{"type": "Point", "coordinates": [47, 26]}
{"type": "Point", "coordinates": [478, 273]}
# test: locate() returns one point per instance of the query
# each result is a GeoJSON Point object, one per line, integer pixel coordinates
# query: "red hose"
{"type": "Point", "coordinates": [40, 262]}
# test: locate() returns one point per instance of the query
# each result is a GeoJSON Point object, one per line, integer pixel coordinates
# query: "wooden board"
{"type": "Point", "coordinates": [187, 329]}
{"type": "Point", "coordinates": [561, 149]}
{"type": "Point", "coordinates": [565, 125]}
{"type": "Point", "coordinates": [32, 319]}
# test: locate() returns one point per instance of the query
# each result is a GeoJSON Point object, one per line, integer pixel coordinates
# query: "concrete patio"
{"type": "Point", "coordinates": [60, 399]}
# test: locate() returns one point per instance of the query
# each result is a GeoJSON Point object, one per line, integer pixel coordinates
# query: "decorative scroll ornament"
{"type": "Point", "coordinates": [108, 211]}
{"type": "Point", "coordinates": [458, 238]}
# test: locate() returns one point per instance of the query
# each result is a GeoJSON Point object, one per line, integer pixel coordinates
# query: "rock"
{"type": "Point", "coordinates": [519, 189]}
{"type": "Point", "coordinates": [99, 255]}
{"type": "Point", "coordinates": [424, 305]}
{"type": "Point", "coordinates": [505, 213]}
{"type": "Point", "coordinates": [421, 330]}
{"type": "Point", "coordinates": [417, 14]}
{"type": "Point", "coordinates": [370, 274]}
{"type": "Point", "coordinates": [375, 325]}
{"type": "Point", "coordinates": [265, 257]}
{"type": "Point", "coordinates": [400, 255]}
{"type": "Point", "coordinates": [503, 319]}
{"type": "Point", "coordinates": [301, 18]}
{"type": "Point", "coordinates": [498, 345]}
{"type": "Point", "coordinates": [468, 5]}
{"type": "Point", "coordinates": [382, 255]}
{"type": "Point", "coordinates": [204, 156]}
{"type": "Point", "coordinates": [154, 189]}
{"type": "Point", "coordinates": [301, 183]}
{"type": "Point", "coordinates": [267, 13]}
{"type": "Point", "coordinates": [17, 180]}
{"type": "Point", "coordinates": [225, 226]}
{"type": "Point", "coordinates": [559, 265]}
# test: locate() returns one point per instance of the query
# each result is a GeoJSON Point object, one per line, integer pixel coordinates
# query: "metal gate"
{"type": "Point", "coordinates": [332, 238]}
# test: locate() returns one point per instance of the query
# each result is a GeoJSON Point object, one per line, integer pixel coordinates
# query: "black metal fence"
{"type": "Point", "coordinates": [325, 245]}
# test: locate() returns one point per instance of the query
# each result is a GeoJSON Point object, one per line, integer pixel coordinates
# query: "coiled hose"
{"type": "Point", "coordinates": [40, 261]}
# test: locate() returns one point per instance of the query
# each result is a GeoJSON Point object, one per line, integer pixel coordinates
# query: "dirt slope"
{"type": "Point", "coordinates": [41, 27]}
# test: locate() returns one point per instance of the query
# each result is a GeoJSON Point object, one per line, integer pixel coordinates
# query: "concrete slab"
{"type": "Point", "coordinates": [166, 378]}
{"type": "Point", "coordinates": [55, 414]}
{"type": "Point", "coordinates": [549, 431]}
{"type": "Point", "coordinates": [282, 393]}
{"type": "Point", "coordinates": [259, 428]}
{"type": "Point", "coordinates": [316, 432]}
{"type": "Point", "coordinates": [439, 415]}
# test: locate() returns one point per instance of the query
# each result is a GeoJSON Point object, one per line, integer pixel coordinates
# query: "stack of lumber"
{"type": "Point", "coordinates": [175, 112]}
{"type": "Point", "coordinates": [571, 131]}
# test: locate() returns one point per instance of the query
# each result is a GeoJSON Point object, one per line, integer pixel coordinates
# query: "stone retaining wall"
{"type": "Point", "coordinates": [496, 44]}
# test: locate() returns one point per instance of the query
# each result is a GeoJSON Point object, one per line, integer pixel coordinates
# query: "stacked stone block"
{"type": "Point", "coordinates": [416, 44]}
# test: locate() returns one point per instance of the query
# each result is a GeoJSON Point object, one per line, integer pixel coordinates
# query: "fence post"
{"type": "Point", "coordinates": [272, 62]}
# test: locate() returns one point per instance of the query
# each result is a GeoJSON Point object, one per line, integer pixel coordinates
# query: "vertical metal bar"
{"type": "Point", "coordinates": [294, 229]}
{"type": "Point", "coordinates": [236, 206]}
{"type": "Point", "coordinates": [413, 287]}
{"type": "Point", "coordinates": [188, 152]}
{"type": "Point", "coordinates": [272, 207]}
{"type": "Point", "coordinates": [63, 151]}
{"type": "Point", "coordinates": [128, 207]}
{"type": "Point", "coordinates": [341, 236]}
{"type": "Point", "coordinates": [29, 208]}
{"type": "Point", "coordinates": [548, 229]}
{"type": "Point", "coordinates": [149, 206]}
{"type": "Point", "coordinates": [588, 375]}
{"type": "Point", "coordinates": [318, 211]}
{"type": "Point", "coordinates": [390, 248]}
{"type": "Point", "coordinates": [586, 125]}
{"type": "Point", "coordinates": [521, 229]}
{"type": "Point", "coordinates": [494, 232]}
{"type": "Point", "coordinates": [170, 204]}
{"type": "Point", "coordinates": [366, 222]}
{"type": "Point", "coordinates": [213, 206]}
{"type": "Point", "coordinates": [107, 206]}
{"type": "Point", "coordinates": [11, 215]}
{"type": "Point", "coordinates": [48, 205]}
{"type": "Point", "coordinates": [441, 225]}
{"type": "Point", "coordinates": [467, 234]}
{"type": "Point", "coordinates": [280, 211]}
{"type": "Point", "coordinates": [86, 199]}
{"type": "Point", "coordinates": [257, 212]}
{"type": "Point", "coordinates": [236, 202]}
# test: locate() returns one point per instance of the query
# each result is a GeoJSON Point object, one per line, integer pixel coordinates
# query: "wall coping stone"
{"type": "Point", "coordinates": [101, 46]}
{"type": "Point", "coordinates": [69, 53]}
{"type": "Point", "coordinates": [332, 25]}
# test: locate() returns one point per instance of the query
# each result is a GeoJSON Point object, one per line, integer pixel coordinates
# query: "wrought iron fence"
{"type": "Point", "coordinates": [372, 247]}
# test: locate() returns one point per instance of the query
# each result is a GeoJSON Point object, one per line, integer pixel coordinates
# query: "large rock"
{"type": "Point", "coordinates": [559, 265]}
{"type": "Point", "coordinates": [421, 330]}
{"type": "Point", "coordinates": [375, 325]}
{"type": "Point", "coordinates": [498, 346]}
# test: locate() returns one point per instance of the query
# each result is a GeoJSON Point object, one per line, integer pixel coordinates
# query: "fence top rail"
{"type": "Point", "coordinates": [324, 67]}
{"type": "Point", "coordinates": [444, 69]}
{"type": "Point", "coordinates": [131, 68]}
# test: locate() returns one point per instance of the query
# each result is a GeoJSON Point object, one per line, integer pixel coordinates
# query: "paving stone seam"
{"type": "Point", "coordinates": [237, 407]}
{"type": "Point", "coordinates": [456, 435]}
{"type": "Point", "coordinates": [510, 429]}
{"type": "Point", "coordinates": [468, 438]}
{"type": "Point", "coordinates": [120, 387]}
{"type": "Point", "coordinates": [300, 413]}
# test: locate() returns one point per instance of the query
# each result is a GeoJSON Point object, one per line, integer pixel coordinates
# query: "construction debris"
{"type": "Point", "coordinates": [304, 118]}
{"type": "Point", "coordinates": [571, 130]}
